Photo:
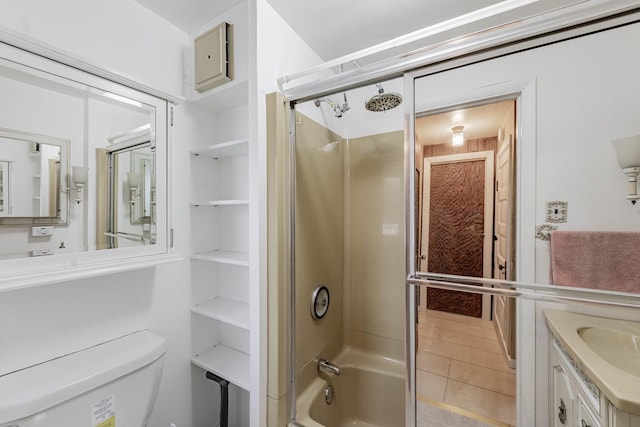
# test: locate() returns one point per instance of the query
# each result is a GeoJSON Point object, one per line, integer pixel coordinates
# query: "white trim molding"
{"type": "Point", "coordinates": [37, 47]}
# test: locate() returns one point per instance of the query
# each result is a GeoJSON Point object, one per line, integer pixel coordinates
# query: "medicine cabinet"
{"type": "Point", "coordinates": [84, 172]}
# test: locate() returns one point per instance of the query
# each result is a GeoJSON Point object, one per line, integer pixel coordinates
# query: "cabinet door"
{"type": "Point", "coordinates": [563, 398]}
{"type": "Point", "coordinates": [585, 418]}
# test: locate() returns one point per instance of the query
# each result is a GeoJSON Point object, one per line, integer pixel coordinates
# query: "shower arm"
{"type": "Point", "coordinates": [337, 108]}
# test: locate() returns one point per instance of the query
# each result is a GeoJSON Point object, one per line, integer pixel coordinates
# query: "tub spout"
{"type": "Point", "coordinates": [328, 367]}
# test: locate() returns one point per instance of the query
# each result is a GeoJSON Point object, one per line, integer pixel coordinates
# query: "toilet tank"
{"type": "Point", "coordinates": [113, 384]}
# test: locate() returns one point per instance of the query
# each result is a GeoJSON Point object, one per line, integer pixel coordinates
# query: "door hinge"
{"type": "Point", "coordinates": [171, 238]}
{"type": "Point", "coordinates": [171, 117]}
{"type": "Point", "coordinates": [497, 186]}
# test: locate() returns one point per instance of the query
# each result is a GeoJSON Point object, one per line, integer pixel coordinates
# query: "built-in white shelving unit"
{"type": "Point", "coordinates": [225, 310]}
{"type": "Point", "coordinates": [238, 147]}
{"type": "Point", "coordinates": [226, 362]}
{"type": "Point", "coordinates": [222, 159]}
{"type": "Point", "coordinates": [221, 208]}
{"type": "Point", "coordinates": [223, 257]}
{"type": "Point", "coordinates": [226, 97]}
{"type": "Point", "coordinates": [219, 202]}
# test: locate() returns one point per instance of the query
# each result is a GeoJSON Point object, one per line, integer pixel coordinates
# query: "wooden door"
{"type": "Point", "coordinates": [457, 226]}
{"type": "Point", "coordinates": [504, 307]}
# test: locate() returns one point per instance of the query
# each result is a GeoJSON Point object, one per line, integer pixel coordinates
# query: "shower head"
{"type": "Point", "coordinates": [383, 101]}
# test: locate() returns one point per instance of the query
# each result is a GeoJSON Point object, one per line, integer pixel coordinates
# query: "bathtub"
{"type": "Point", "coordinates": [369, 392]}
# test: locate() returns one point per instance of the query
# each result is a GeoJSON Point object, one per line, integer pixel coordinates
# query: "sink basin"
{"type": "Point", "coordinates": [620, 349]}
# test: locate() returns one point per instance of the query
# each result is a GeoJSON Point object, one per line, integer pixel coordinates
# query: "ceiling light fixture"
{"type": "Point", "coordinates": [457, 139]}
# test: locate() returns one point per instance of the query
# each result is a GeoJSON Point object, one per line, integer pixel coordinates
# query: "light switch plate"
{"type": "Point", "coordinates": [557, 211]}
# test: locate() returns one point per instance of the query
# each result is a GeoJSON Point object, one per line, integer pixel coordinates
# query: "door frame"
{"type": "Point", "coordinates": [487, 241]}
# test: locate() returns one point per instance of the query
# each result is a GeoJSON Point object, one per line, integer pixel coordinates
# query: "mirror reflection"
{"type": "Point", "coordinates": [76, 159]}
{"type": "Point", "coordinates": [130, 195]}
{"type": "Point", "coordinates": [467, 211]}
{"type": "Point", "coordinates": [31, 176]}
{"type": "Point", "coordinates": [537, 196]}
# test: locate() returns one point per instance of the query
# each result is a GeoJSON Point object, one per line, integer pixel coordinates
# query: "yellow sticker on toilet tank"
{"type": "Point", "coordinates": [103, 412]}
{"type": "Point", "coordinates": [111, 422]}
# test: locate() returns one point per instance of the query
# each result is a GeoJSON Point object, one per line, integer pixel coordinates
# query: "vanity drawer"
{"type": "Point", "coordinates": [562, 405]}
{"type": "Point", "coordinates": [585, 417]}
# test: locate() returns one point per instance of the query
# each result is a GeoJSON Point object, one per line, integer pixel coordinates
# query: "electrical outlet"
{"type": "Point", "coordinates": [42, 231]}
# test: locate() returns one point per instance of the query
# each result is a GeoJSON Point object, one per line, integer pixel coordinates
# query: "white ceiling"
{"type": "Point", "coordinates": [332, 28]}
{"type": "Point", "coordinates": [188, 14]}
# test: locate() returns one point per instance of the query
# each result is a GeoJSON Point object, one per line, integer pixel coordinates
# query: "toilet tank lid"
{"type": "Point", "coordinates": [31, 390]}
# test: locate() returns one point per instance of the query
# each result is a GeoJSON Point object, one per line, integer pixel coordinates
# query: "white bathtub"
{"type": "Point", "coordinates": [369, 392]}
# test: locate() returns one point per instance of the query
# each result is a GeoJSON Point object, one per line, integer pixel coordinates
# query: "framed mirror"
{"type": "Point", "coordinates": [33, 188]}
{"type": "Point", "coordinates": [83, 170]}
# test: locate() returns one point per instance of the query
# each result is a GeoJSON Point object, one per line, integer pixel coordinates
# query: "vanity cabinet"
{"type": "Point", "coordinates": [575, 400]}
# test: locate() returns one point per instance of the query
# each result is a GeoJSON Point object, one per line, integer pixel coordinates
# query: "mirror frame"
{"type": "Point", "coordinates": [33, 271]}
{"type": "Point", "coordinates": [63, 190]}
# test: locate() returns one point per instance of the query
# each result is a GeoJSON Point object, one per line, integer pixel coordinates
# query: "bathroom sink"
{"type": "Point", "coordinates": [620, 349]}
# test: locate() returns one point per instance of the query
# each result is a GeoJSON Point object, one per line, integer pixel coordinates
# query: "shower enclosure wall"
{"type": "Point", "coordinates": [349, 211]}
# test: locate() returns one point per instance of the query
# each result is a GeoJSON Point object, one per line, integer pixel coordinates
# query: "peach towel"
{"type": "Point", "coordinates": [607, 260]}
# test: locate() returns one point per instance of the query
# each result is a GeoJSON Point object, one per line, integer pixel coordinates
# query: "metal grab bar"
{"type": "Point", "coordinates": [128, 236]}
{"type": "Point", "coordinates": [551, 293]}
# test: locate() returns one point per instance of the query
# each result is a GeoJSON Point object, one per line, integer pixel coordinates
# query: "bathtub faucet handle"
{"type": "Point", "coordinates": [328, 367]}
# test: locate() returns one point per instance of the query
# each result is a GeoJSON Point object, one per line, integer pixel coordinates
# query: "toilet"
{"type": "Point", "coordinates": [113, 384]}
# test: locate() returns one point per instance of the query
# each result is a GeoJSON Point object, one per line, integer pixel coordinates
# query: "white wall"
{"type": "Point", "coordinates": [280, 50]}
{"type": "Point", "coordinates": [118, 35]}
{"type": "Point", "coordinates": [42, 322]}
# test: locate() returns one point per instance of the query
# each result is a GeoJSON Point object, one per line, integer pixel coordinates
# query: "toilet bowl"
{"type": "Point", "coordinates": [113, 384]}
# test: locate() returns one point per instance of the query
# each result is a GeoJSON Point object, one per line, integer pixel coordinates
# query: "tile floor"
{"type": "Point", "coordinates": [460, 367]}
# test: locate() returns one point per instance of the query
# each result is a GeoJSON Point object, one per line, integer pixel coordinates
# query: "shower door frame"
{"type": "Point", "coordinates": [524, 93]}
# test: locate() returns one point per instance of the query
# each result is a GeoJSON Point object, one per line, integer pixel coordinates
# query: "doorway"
{"type": "Point", "coordinates": [466, 229]}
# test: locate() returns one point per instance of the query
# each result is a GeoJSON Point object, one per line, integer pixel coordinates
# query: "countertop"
{"type": "Point", "coordinates": [621, 388]}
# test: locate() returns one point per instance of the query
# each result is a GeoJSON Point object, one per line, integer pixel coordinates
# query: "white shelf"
{"type": "Point", "coordinates": [223, 257]}
{"type": "Point", "coordinates": [227, 363]}
{"type": "Point", "coordinates": [225, 97]}
{"type": "Point", "coordinates": [238, 147]}
{"type": "Point", "coordinates": [225, 310]}
{"type": "Point", "coordinates": [220, 202]}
